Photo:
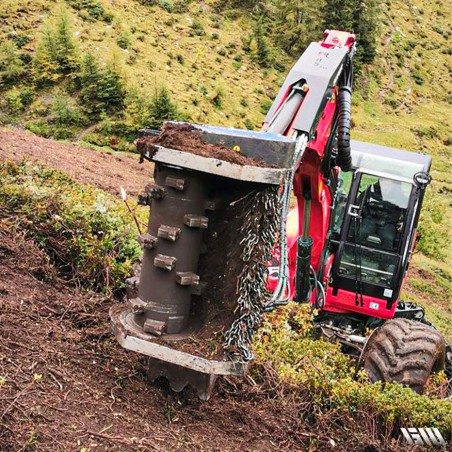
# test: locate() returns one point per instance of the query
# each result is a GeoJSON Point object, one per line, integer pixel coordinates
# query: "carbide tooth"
{"type": "Point", "coordinates": [196, 221]}
{"type": "Point", "coordinates": [167, 263]}
{"type": "Point", "coordinates": [147, 241]}
{"type": "Point", "coordinates": [169, 233]}
{"type": "Point", "coordinates": [187, 278]}
{"type": "Point", "coordinates": [175, 182]}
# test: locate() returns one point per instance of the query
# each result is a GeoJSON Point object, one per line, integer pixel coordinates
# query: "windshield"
{"type": "Point", "coordinates": [382, 206]}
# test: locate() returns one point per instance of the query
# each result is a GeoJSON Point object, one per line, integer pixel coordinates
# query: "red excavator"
{"type": "Point", "coordinates": [342, 243]}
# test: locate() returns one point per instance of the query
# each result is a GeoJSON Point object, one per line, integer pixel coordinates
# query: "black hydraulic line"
{"type": "Point", "coordinates": [302, 278]}
{"type": "Point", "coordinates": [344, 155]}
{"type": "Point", "coordinates": [304, 248]}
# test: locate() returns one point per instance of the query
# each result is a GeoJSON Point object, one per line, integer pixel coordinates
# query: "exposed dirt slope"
{"type": "Point", "coordinates": [105, 170]}
{"type": "Point", "coordinates": [67, 385]}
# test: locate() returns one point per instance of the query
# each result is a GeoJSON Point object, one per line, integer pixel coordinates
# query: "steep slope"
{"type": "Point", "coordinates": [198, 53]}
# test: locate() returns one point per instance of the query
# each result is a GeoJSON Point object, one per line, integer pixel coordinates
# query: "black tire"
{"type": "Point", "coordinates": [404, 351]}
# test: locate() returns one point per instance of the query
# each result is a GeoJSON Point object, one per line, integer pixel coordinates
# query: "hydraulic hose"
{"type": "Point", "coordinates": [344, 155]}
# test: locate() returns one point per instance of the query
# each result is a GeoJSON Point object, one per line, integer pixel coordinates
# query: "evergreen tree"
{"type": "Point", "coordinates": [162, 108]}
{"type": "Point", "coordinates": [56, 53]}
{"type": "Point", "coordinates": [338, 15]}
{"type": "Point", "coordinates": [263, 53]}
{"type": "Point", "coordinates": [101, 90]}
{"type": "Point", "coordinates": [366, 25]}
{"type": "Point", "coordinates": [296, 23]}
{"type": "Point", "coordinates": [111, 89]}
{"type": "Point", "coordinates": [90, 78]}
{"type": "Point", "coordinates": [360, 17]}
{"type": "Point", "coordinates": [66, 50]}
{"type": "Point", "coordinates": [45, 67]}
{"type": "Point", "coordinates": [11, 66]}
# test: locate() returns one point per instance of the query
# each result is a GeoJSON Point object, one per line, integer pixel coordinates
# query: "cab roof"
{"type": "Point", "coordinates": [392, 161]}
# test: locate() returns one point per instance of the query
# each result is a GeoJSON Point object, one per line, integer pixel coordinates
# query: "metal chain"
{"type": "Point", "coordinates": [259, 233]}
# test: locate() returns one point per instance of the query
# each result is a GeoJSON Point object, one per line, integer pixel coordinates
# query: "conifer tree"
{"type": "Point", "coordinates": [45, 67]}
{"type": "Point", "coordinates": [263, 53]}
{"type": "Point", "coordinates": [101, 90]}
{"type": "Point", "coordinates": [358, 16]}
{"type": "Point", "coordinates": [11, 66]}
{"type": "Point", "coordinates": [56, 53]}
{"type": "Point", "coordinates": [90, 78]}
{"type": "Point", "coordinates": [366, 20]}
{"type": "Point", "coordinates": [162, 108]}
{"type": "Point", "coordinates": [66, 50]}
{"type": "Point", "coordinates": [111, 89]}
{"type": "Point", "coordinates": [338, 15]}
{"type": "Point", "coordinates": [296, 23]}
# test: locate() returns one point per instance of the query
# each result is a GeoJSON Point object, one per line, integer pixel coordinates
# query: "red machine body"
{"type": "Point", "coordinates": [309, 174]}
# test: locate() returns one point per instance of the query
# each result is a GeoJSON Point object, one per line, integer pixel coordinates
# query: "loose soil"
{"type": "Point", "coordinates": [220, 267]}
{"type": "Point", "coordinates": [185, 137]}
{"type": "Point", "coordinates": [67, 385]}
{"type": "Point", "coordinates": [106, 170]}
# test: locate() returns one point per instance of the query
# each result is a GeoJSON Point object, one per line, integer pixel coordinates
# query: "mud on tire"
{"type": "Point", "coordinates": [404, 351]}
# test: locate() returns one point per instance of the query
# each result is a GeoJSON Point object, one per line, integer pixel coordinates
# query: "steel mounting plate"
{"type": "Point", "coordinates": [272, 176]}
{"type": "Point", "coordinates": [132, 339]}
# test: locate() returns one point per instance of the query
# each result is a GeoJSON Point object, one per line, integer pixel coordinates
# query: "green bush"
{"type": "Point", "coordinates": [249, 124]}
{"type": "Point", "coordinates": [317, 370]}
{"type": "Point", "coordinates": [94, 9]}
{"type": "Point", "coordinates": [65, 111]}
{"type": "Point", "coordinates": [19, 40]}
{"type": "Point", "coordinates": [197, 28]}
{"type": "Point", "coordinates": [124, 39]}
{"type": "Point", "coordinates": [181, 6]}
{"type": "Point", "coordinates": [39, 127]}
{"type": "Point", "coordinates": [87, 233]}
{"type": "Point", "coordinates": [13, 102]}
{"type": "Point", "coordinates": [218, 98]}
{"type": "Point", "coordinates": [265, 106]}
{"type": "Point", "coordinates": [167, 5]}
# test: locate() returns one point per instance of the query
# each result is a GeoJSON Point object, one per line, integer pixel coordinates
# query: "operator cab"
{"type": "Point", "coordinates": [375, 220]}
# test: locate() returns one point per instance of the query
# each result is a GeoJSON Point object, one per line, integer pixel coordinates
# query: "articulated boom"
{"type": "Point", "coordinates": [309, 103]}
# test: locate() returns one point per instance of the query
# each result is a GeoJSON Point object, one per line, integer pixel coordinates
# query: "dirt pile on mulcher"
{"type": "Point", "coordinates": [187, 138]}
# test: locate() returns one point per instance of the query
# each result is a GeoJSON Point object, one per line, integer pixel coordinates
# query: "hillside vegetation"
{"type": "Point", "coordinates": [98, 70]}
{"type": "Point", "coordinates": [95, 71]}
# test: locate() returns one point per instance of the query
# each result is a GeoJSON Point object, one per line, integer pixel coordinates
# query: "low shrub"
{"type": "Point", "coordinates": [197, 29]}
{"type": "Point", "coordinates": [87, 233]}
{"type": "Point", "coordinates": [93, 8]}
{"type": "Point", "coordinates": [167, 5]}
{"type": "Point", "coordinates": [317, 370]}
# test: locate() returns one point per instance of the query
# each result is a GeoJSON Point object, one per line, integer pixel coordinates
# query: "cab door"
{"type": "Point", "coordinates": [369, 257]}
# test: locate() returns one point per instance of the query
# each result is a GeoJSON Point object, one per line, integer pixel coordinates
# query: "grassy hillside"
{"type": "Point", "coordinates": [195, 52]}
{"type": "Point", "coordinates": [206, 57]}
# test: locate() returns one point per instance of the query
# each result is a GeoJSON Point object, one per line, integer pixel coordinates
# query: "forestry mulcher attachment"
{"type": "Point", "coordinates": [223, 247]}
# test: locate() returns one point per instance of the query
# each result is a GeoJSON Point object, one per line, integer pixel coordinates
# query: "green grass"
{"type": "Point", "coordinates": [163, 50]}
